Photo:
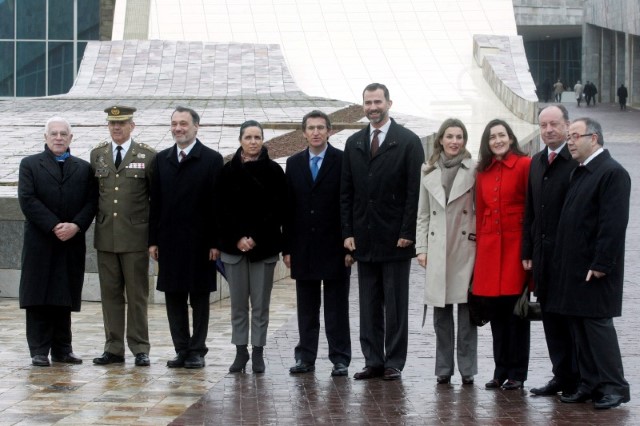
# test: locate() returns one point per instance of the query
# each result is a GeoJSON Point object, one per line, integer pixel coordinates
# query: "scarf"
{"type": "Point", "coordinates": [449, 168]}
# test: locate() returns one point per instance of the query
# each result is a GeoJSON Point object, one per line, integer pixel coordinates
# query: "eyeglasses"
{"type": "Point", "coordinates": [574, 136]}
{"type": "Point", "coordinates": [314, 128]}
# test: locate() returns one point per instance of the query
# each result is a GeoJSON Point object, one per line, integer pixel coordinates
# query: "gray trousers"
{"type": "Point", "coordinates": [467, 342]}
{"type": "Point", "coordinates": [249, 282]}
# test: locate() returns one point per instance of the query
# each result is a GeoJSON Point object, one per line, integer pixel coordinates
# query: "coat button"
{"type": "Point", "coordinates": [117, 175]}
{"type": "Point", "coordinates": [434, 212]}
{"type": "Point", "coordinates": [432, 233]}
{"type": "Point", "coordinates": [115, 214]}
{"type": "Point", "coordinates": [312, 212]}
{"type": "Point", "coordinates": [115, 201]}
{"type": "Point", "coordinates": [464, 212]}
{"type": "Point", "coordinates": [116, 188]}
{"type": "Point", "coordinates": [464, 232]}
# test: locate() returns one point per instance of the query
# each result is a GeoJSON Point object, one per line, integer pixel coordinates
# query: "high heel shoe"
{"type": "Point", "coordinates": [242, 357]}
{"type": "Point", "coordinates": [257, 359]}
{"type": "Point", "coordinates": [513, 385]}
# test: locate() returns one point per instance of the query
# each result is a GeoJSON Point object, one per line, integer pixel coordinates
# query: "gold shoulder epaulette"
{"type": "Point", "coordinates": [145, 146]}
{"type": "Point", "coordinates": [101, 145]}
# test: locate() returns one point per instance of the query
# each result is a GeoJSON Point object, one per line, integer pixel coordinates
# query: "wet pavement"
{"type": "Point", "coordinates": [125, 394]}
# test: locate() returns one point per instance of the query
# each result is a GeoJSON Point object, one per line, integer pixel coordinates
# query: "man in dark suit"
{"type": "Point", "coordinates": [588, 269]}
{"type": "Point", "coordinates": [313, 247]}
{"type": "Point", "coordinates": [182, 235]}
{"type": "Point", "coordinates": [58, 197]}
{"type": "Point", "coordinates": [121, 167]}
{"type": "Point", "coordinates": [548, 184]}
{"type": "Point", "coordinates": [380, 185]}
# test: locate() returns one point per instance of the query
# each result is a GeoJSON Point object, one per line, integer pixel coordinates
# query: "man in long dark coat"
{"type": "Point", "coordinates": [182, 235]}
{"type": "Point", "coordinates": [313, 247]}
{"type": "Point", "coordinates": [58, 197]}
{"type": "Point", "coordinates": [380, 187]}
{"type": "Point", "coordinates": [589, 265]}
{"type": "Point", "coordinates": [547, 186]}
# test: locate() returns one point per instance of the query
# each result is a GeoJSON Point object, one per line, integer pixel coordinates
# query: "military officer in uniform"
{"type": "Point", "coordinates": [121, 167]}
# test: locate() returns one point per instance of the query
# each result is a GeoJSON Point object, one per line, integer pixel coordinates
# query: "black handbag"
{"type": "Point", "coordinates": [525, 308]}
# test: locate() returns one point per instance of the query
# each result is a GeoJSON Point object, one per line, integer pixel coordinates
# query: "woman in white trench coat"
{"type": "Point", "coordinates": [446, 247]}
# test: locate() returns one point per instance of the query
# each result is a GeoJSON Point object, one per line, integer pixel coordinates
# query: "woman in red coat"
{"type": "Point", "coordinates": [501, 186]}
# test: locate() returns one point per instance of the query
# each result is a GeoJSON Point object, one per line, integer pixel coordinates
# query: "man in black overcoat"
{"type": "Point", "coordinates": [547, 186]}
{"type": "Point", "coordinates": [182, 235]}
{"type": "Point", "coordinates": [589, 265]}
{"type": "Point", "coordinates": [58, 197]}
{"type": "Point", "coordinates": [314, 249]}
{"type": "Point", "coordinates": [379, 203]}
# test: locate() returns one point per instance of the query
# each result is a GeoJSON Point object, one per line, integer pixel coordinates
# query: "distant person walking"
{"type": "Point", "coordinates": [577, 90]}
{"type": "Point", "coordinates": [622, 97]}
{"type": "Point", "coordinates": [558, 88]}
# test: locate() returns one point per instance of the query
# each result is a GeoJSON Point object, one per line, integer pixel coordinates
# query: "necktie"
{"type": "Point", "coordinates": [182, 156]}
{"type": "Point", "coordinates": [375, 142]}
{"type": "Point", "coordinates": [118, 157]}
{"type": "Point", "coordinates": [314, 167]}
{"type": "Point", "coordinates": [552, 156]}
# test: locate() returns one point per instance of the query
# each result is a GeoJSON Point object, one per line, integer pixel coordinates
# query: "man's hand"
{"type": "Point", "coordinates": [214, 253]}
{"type": "Point", "coordinates": [350, 243]}
{"type": "Point", "coordinates": [402, 243]}
{"type": "Point", "coordinates": [348, 260]}
{"type": "Point", "coordinates": [527, 264]}
{"type": "Point", "coordinates": [153, 252]}
{"type": "Point", "coordinates": [65, 231]}
{"type": "Point", "coordinates": [596, 274]}
{"type": "Point", "coordinates": [245, 244]}
{"type": "Point", "coordinates": [287, 260]}
{"type": "Point", "coordinates": [422, 259]}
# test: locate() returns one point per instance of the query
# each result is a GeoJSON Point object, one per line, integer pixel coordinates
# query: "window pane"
{"type": "Point", "coordinates": [60, 19]}
{"type": "Point", "coordinates": [6, 18]}
{"type": "Point", "coordinates": [31, 19]}
{"type": "Point", "coordinates": [30, 69]}
{"type": "Point", "coordinates": [81, 47]}
{"type": "Point", "coordinates": [89, 20]}
{"type": "Point", "coordinates": [6, 68]}
{"type": "Point", "coordinates": [60, 67]}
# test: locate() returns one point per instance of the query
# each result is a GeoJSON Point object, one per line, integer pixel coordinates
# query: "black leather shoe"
{"type": "Point", "coordinates": [40, 361]}
{"type": "Point", "coordinates": [550, 389]}
{"type": "Point", "coordinates": [513, 385]}
{"type": "Point", "coordinates": [194, 361]}
{"type": "Point", "coordinates": [108, 358]}
{"type": "Point", "coordinates": [610, 401]}
{"type": "Point", "coordinates": [443, 380]}
{"type": "Point", "coordinates": [177, 362]}
{"type": "Point", "coordinates": [493, 384]}
{"type": "Point", "coordinates": [302, 367]}
{"type": "Point", "coordinates": [69, 358]}
{"type": "Point", "coordinates": [142, 360]}
{"type": "Point", "coordinates": [392, 374]}
{"type": "Point", "coordinates": [340, 369]}
{"type": "Point", "coordinates": [577, 397]}
{"type": "Point", "coordinates": [467, 380]}
{"type": "Point", "coordinates": [369, 373]}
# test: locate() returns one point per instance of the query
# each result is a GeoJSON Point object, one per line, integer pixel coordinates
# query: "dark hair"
{"type": "Point", "coordinates": [437, 145]}
{"type": "Point", "coordinates": [376, 86]}
{"type": "Point", "coordinates": [316, 114]}
{"type": "Point", "coordinates": [485, 154]}
{"type": "Point", "coordinates": [562, 108]}
{"type": "Point", "coordinates": [592, 127]}
{"type": "Point", "coordinates": [194, 115]}
{"type": "Point", "coordinates": [250, 123]}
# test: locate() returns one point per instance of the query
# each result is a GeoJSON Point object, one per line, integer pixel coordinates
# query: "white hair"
{"type": "Point", "coordinates": [56, 119]}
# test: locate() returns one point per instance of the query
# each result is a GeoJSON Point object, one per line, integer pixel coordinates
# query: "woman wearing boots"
{"type": "Point", "coordinates": [252, 191]}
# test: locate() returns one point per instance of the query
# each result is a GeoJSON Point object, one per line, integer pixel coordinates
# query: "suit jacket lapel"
{"type": "Point", "coordinates": [51, 166]}
{"type": "Point", "coordinates": [70, 167]}
{"type": "Point", "coordinates": [328, 163]}
{"type": "Point", "coordinates": [463, 181]}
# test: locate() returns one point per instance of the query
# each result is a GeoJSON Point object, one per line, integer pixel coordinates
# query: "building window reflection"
{"type": "Point", "coordinates": [42, 43]}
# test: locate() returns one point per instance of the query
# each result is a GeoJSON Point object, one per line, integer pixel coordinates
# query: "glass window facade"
{"type": "Point", "coordinates": [552, 60]}
{"type": "Point", "coordinates": [42, 43]}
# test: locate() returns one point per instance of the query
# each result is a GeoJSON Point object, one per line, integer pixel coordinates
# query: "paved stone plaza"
{"type": "Point", "coordinates": [124, 394]}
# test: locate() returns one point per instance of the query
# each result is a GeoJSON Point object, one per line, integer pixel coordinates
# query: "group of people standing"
{"type": "Point", "coordinates": [493, 228]}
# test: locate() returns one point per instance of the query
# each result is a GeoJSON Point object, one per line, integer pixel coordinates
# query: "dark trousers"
{"type": "Point", "coordinates": [49, 329]}
{"type": "Point", "coordinates": [384, 312]}
{"type": "Point", "coordinates": [336, 319]}
{"type": "Point", "coordinates": [599, 358]}
{"type": "Point", "coordinates": [557, 333]}
{"type": "Point", "coordinates": [511, 341]}
{"type": "Point", "coordinates": [184, 342]}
